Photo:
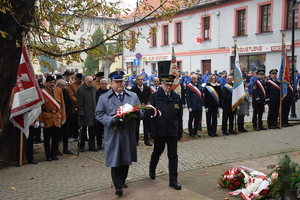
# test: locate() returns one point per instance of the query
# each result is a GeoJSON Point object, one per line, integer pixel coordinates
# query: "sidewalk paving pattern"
{"type": "Point", "coordinates": [84, 176]}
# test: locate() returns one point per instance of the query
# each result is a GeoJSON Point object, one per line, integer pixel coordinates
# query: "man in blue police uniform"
{"type": "Point", "coordinates": [165, 128]}
{"type": "Point", "coordinates": [119, 138]}
{"type": "Point", "coordinates": [153, 75]}
{"type": "Point", "coordinates": [273, 99]}
{"type": "Point", "coordinates": [145, 77]}
{"type": "Point", "coordinates": [132, 79]}
{"type": "Point", "coordinates": [259, 96]}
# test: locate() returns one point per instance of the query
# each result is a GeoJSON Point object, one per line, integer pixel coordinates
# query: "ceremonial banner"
{"type": "Point", "coordinates": [27, 99]}
{"type": "Point", "coordinates": [174, 71]}
{"type": "Point", "coordinates": [284, 72]}
{"type": "Point", "coordinates": [238, 91]}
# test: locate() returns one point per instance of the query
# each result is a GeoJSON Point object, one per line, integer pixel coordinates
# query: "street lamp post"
{"type": "Point", "coordinates": [293, 115]}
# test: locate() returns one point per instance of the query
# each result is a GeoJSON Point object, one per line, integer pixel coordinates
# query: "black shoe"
{"type": "Point", "coordinates": [211, 134]}
{"type": "Point", "coordinates": [277, 127]}
{"type": "Point", "coordinates": [290, 124]}
{"type": "Point", "coordinates": [191, 135]}
{"type": "Point", "coordinates": [148, 144]}
{"type": "Point", "coordinates": [81, 149]}
{"type": "Point", "coordinates": [216, 135]}
{"type": "Point", "coordinates": [119, 192]}
{"type": "Point", "coordinates": [284, 125]}
{"type": "Point", "coordinates": [245, 130]}
{"type": "Point", "coordinates": [54, 158]}
{"type": "Point", "coordinates": [262, 128]}
{"type": "Point", "coordinates": [93, 149]}
{"type": "Point", "coordinates": [272, 127]}
{"type": "Point", "coordinates": [197, 135]}
{"type": "Point", "coordinates": [241, 130]}
{"type": "Point", "coordinates": [175, 185]}
{"type": "Point", "coordinates": [48, 159]}
{"type": "Point", "coordinates": [124, 185]}
{"type": "Point", "coordinates": [232, 132]}
{"type": "Point", "coordinates": [59, 153]}
{"type": "Point", "coordinates": [225, 133]}
{"type": "Point", "coordinates": [32, 162]}
{"type": "Point", "coordinates": [67, 151]}
{"type": "Point", "coordinates": [99, 147]}
{"type": "Point", "coordinates": [152, 174]}
{"type": "Point", "coordinates": [256, 129]}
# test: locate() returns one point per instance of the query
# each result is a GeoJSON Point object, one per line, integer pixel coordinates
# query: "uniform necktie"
{"type": "Point", "coordinates": [120, 97]}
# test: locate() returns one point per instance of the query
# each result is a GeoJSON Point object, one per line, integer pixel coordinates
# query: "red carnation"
{"type": "Point", "coordinates": [233, 180]}
{"type": "Point", "coordinates": [241, 175]}
{"type": "Point", "coordinates": [143, 104]}
{"type": "Point", "coordinates": [135, 109]}
{"type": "Point", "coordinates": [230, 187]}
{"type": "Point", "coordinates": [221, 184]}
{"type": "Point", "coordinates": [237, 184]}
{"type": "Point", "coordinates": [264, 191]}
{"type": "Point", "coordinates": [225, 179]}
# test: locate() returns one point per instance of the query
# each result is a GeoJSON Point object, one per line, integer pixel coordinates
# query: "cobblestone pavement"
{"type": "Point", "coordinates": [72, 176]}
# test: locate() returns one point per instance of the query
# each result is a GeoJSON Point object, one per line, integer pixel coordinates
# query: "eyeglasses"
{"type": "Point", "coordinates": [213, 78]}
{"type": "Point", "coordinates": [139, 79]}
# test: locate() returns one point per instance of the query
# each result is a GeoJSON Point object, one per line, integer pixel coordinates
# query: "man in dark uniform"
{"type": "Point", "coordinates": [166, 128]}
{"type": "Point", "coordinates": [143, 92]}
{"type": "Point", "coordinates": [258, 100]}
{"type": "Point", "coordinates": [273, 99]}
{"type": "Point", "coordinates": [100, 128]}
{"type": "Point", "coordinates": [228, 114]}
{"type": "Point", "coordinates": [286, 106]}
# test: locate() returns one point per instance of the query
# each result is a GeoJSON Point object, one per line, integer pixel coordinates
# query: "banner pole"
{"type": "Point", "coordinates": [21, 148]}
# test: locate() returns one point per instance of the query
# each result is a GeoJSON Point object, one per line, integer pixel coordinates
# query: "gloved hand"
{"type": "Point", "coordinates": [257, 99]}
{"type": "Point", "coordinates": [190, 109]}
{"type": "Point", "coordinates": [81, 117]}
{"type": "Point", "coordinates": [62, 123]}
{"type": "Point", "coordinates": [153, 136]}
{"type": "Point", "coordinates": [219, 109]}
{"type": "Point", "coordinates": [42, 125]}
{"type": "Point", "coordinates": [116, 121]}
{"type": "Point", "coordinates": [206, 109]}
{"type": "Point", "coordinates": [238, 108]}
{"type": "Point", "coordinates": [36, 124]}
{"type": "Point", "coordinates": [267, 100]}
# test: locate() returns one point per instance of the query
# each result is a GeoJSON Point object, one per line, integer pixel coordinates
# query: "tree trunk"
{"type": "Point", "coordinates": [14, 24]}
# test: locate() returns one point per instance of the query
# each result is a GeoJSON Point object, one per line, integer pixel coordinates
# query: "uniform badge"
{"type": "Point", "coordinates": [176, 106]}
{"type": "Point", "coordinates": [254, 87]}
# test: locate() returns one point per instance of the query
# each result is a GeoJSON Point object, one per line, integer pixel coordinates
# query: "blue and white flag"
{"type": "Point", "coordinates": [238, 85]}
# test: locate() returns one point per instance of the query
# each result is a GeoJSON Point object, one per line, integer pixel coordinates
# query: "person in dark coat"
{"type": "Point", "coordinates": [100, 128]}
{"type": "Point", "coordinates": [228, 114]}
{"type": "Point", "coordinates": [143, 92]}
{"type": "Point", "coordinates": [86, 105]}
{"type": "Point", "coordinates": [194, 98]}
{"type": "Point", "coordinates": [258, 100]}
{"type": "Point", "coordinates": [165, 128]}
{"type": "Point", "coordinates": [212, 103]}
{"type": "Point", "coordinates": [273, 99]}
{"type": "Point", "coordinates": [65, 129]}
{"type": "Point", "coordinates": [242, 110]}
{"type": "Point", "coordinates": [38, 130]}
{"type": "Point", "coordinates": [286, 106]}
{"type": "Point", "coordinates": [119, 142]}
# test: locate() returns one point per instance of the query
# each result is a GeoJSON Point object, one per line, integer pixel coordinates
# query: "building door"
{"type": "Point", "coordinates": [206, 64]}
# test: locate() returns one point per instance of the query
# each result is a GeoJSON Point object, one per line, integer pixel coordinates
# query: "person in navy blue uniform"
{"type": "Point", "coordinates": [286, 106]}
{"type": "Point", "coordinates": [194, 98]}
{"type": "Point", "coordinates": [273, 99]}
{"type": "Point", "coordinates": [183, 88]}
{"type": "Point", "coordinates": [228, 114]}
{"type": "Point", "coordinates": [143, 92]}
{"type": "Point", "coordinates": [258, 100]}
{"type": "Point", "coordinates": [222, 79]}
{"type": "Point", "coordinates": [213, 103]}
{"type": "Point", "coordinates": [165, 128]}
{"type": "Point", "coordinates": [132, 78]}
{"type": "Point", "coordinates": [145, 77]}
{"type": "Point", "coordinates": [152, 76]}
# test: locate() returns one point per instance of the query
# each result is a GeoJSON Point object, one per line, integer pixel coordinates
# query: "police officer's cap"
{"type": "Point", "coordinates": [99, 74]}
{"type": "Point", "coordinates": [224, 72]}
{"type": "Point", "coordinates": [78, 75]}
{"type": "Point", "coordinates": [181, 72]}
{"type": "Point", "coordinates": [273, 71]}
{"type": "Point", "coordinates": [143, 69]}
{"type": "Point", "coordinates": [50, 78]}
{"type": "Point", "coordinates": [220, 72]}
{"type": "Point", "coordinates": [296, 70]}
{"type": "Point", "coordinates": [198, 70]}
{"type": "Point", "coordinates": [260, 71]}
{"type": "Point", "coordinates": [116, 76]}
{"type": "Point", "coordinates": [154, 71]}
{"type": "Point", "coordinates": [59, 76]}
{"type": "Point", "coordinates": [167, 78]}
{"type": "Point", "coordinates": [134, 72]}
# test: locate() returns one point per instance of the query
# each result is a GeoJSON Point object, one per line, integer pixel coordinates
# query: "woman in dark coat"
{"type": "Point", "coordinates": [212, 103]}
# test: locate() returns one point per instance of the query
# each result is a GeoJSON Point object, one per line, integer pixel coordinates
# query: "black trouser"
{"type": "Point", "coordinates": [119, 175]}
{"type": "Point", "coordinates": [137, 131]}
{"type": "Point", "coordinates": [183, 95]}
{"type": "Point", "coordinates": [74, 126]}
{"type": "Point", "coordinates": [211, 120]}
{"type": "Point", "coordinates": [194, 117]}
{"type": "Point", "coordinates": [240, 122]}
{"type": "Point", "coordinates": [286, 106]}
{"type": "Point", "coordinates": [159, 146]}
{"type": "Point", "coordinates": [29, 144]}
{"type": "Point", "coordinates": [51, 133]}
{"type": "Point", "coordinates": [37, 134]}
{"type": "Point", "coordinates": [65, 133]}
{"type": "Point", "coordinates": [273, 113]}
{"type": "Point", "coordinates": [227, 114]}
{"type": "Point", "coordinates": [258, 110]}
{"type": "Point", "coordinates": [92, 134]}
{"type": "Point", "coordinates": [99, 133]}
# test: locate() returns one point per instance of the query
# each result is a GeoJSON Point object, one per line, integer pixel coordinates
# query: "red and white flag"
{"type": "Point", "coordinates": [175, 71]}
{"type": "Point", "coordinates": [27, 100]}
